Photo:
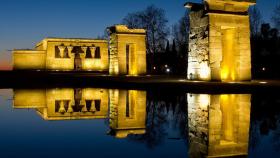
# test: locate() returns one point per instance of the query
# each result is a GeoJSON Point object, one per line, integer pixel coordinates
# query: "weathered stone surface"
{"type": "Point", "coordinates": [219, 38]}
{"type": "Point", "coordinates": [198, 45]}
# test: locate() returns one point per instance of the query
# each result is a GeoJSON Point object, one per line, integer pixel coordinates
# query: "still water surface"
{"type": "Point", "coordinates": [95, 122]}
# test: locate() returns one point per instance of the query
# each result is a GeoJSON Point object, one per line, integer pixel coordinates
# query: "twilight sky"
{"type": "Point", "coordinates": [23, 23]}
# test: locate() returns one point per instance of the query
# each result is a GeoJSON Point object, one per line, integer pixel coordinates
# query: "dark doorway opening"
{"type": "Point", "coordinates": [77, 62]}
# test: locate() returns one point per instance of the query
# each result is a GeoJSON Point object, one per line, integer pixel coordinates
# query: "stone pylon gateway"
{"type": "Point", "coordinates": [219, 42]}
{"type": "Point", "coordinates": [127, 51]}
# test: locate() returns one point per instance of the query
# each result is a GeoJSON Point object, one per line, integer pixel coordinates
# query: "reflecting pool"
{"type": "Point", "coordinates": [97, 122]}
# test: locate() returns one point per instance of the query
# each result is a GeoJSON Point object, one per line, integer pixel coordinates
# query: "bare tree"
{"type": "Point", "coordinates": [255, 20]}
{"type": "Point", "coordinates": [134, 20]}
{"type": "Point", "coordinates": [180, 32]}
{"type": "Point", "coordinates": [152, 19]}
{"type": "Point", "coordinates": [276, 16]}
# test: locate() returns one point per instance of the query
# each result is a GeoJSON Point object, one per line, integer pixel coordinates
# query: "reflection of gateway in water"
{"type": "Point", "coordinates": [127, 107]}
{"type": "Point", "coordinates": [218, 125]}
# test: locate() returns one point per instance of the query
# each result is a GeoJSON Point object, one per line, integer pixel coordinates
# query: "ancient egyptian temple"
{"type": "Point", "coordinates": [219, 47]}
{"type": "Point", "coordinates": [126, 56]}
{"type": "Point", "coordinates": [219, 41]}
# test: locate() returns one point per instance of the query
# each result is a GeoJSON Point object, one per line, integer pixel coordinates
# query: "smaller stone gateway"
{"type": "Point", "coordinates": [127, 51]}
{"type": "Point", "coordinates": [219, 42]}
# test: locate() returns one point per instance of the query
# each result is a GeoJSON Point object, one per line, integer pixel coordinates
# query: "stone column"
{"type": "Point", "coordinates": [70, 48]}
{"type": "Point", "coordinates": [61, 51]}
{"type": "Point", "coordinates": [85, 51]}
{"type": "Point", "coordinates": [92, 51]}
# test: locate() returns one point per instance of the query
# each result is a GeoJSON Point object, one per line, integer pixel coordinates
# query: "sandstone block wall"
{"type": "Point", "coordinates": [241, 54]}
{"type": "Point", "coordinates": [29, 60]}
{"type": "Point", "coordinates": [44, 56]}
{"type": "Point", "coordinates": [198, 59]}
{"type": "Point", "coordinates": [67, 63]}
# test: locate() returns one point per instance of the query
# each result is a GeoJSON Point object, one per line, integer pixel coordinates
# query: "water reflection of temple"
{"type": "Point", "coordinates": [65, 103]}
{"type": "Point", "coordinates": [218, 125]}
{"type": "Point", "coordinates": [127, 107]}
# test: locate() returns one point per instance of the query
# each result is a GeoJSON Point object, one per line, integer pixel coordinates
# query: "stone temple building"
{"type": "Point", "coordinates": [126, 56]}
{"type": "Point", "coordinates": [64, 54]}
{"type": "Point", "coordinates": [219, 41]}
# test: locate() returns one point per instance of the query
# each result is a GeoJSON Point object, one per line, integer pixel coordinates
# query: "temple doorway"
{"type": "Point", "coordinates": [77, 62]}
{"type": "Point", "coordinates": [130, 60]}
{"type": "Point", "coordinates": [229, 50]}
{"type": "Point", "coordinates": [127, 59]}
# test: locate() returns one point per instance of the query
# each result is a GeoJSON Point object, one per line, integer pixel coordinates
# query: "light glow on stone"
{"type": "Point", "coordinates": [228, 66]}
{"type": "Point", "coordinates": [204, 71]}
{"type": "Point", "coordinates": [204, 101]}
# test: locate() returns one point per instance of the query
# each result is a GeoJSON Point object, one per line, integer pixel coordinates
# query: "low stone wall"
{"type": "Point", "coordinates": [29, 60]}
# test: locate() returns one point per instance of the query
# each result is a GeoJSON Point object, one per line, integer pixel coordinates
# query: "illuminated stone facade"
{"type": "Point", "coordinates": [219, 42]}
{"type": "Point", "coordinates": [127, 54]}
{"type": "Point", "coordinates": [64, 54]}
{"type": "Point", "coordinates": [127, 51]}
{"type": "Point", "coordinates": [218, 125]}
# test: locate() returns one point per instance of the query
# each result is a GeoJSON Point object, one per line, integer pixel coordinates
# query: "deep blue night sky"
{"type": "Point", "coordinates": [26, 22]}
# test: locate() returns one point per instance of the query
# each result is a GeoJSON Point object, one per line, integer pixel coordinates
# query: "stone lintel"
{"type": "Point", "coordinates": [194, 6]}
{"type": "Point", "coordinates": [245, 13]}
{"type": "Point", "coordinates": [123, 29]}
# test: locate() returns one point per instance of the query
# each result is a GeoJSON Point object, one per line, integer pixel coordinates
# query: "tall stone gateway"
{"type": "Point", "coordinates": [127, 51]}
{"type": "Point", "coordinates": [219, 42]}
